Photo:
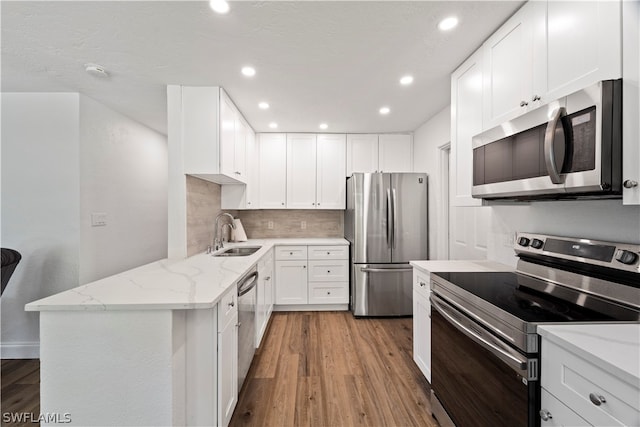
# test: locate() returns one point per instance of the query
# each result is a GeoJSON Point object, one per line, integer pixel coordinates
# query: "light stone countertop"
{"type": "Point", "coordinates": [460, 266]}
{"type": "Point", "coordinates": [613, 347]}
{"type": "Point", "coordinates": [195, 282]}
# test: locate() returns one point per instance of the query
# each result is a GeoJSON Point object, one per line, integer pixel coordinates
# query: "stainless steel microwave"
{"type": "Point", "coordinates": [568, 148]}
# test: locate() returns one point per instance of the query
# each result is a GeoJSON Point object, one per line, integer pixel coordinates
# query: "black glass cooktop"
{"type": "Point", "coordinates": [507, 291]}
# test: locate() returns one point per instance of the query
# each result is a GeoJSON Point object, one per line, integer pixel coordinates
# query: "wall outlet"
{"type": "Point", "coordinates": [270, 225]}
{"type": "Point", "coordinates": [303, 225]}
{"type": "Point", "coordinates": [508, 239]}
{"type": "Point", "coordinates": [98, 219]}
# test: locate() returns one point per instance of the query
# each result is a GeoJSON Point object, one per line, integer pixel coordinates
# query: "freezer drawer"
{"type": "Point", "coordinates": [382, 290]}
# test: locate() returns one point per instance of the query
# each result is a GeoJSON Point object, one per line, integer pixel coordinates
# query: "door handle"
{"type": "Point", "coordinates": [549, 144]}
{"type": "Point", "coordinates": [389, 220]}
{"type": "Point", "coordinates": [395, 215]}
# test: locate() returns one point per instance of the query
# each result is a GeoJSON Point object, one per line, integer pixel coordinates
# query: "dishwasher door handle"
{"type": "Point", "coordinates": [247, 283]}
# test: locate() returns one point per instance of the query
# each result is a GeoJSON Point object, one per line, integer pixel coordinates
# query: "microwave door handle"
{"type": "Point", "coordinates": [549, 142]}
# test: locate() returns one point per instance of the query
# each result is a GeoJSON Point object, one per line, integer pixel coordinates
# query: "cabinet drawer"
{"type": "Point", "coordinates": [328, 293]}
{"type": "Point", "coordinates": [421, 281]}
{"type": "Point", "coordinates": [328, 252]}
{"type": "Point", "coordinates": [558, 413]}
{"type": "Point", "coordinates": [227, 307]}
{"type": "Point", "coordinates": [284, 253]}
{"type": "Point", "coordinates": [328, 271]}
{"type": "Point", "coordinates": [572, 380]}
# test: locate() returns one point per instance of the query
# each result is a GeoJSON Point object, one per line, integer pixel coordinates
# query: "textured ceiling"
{"type": "Point", "coordinates": [317, 61]}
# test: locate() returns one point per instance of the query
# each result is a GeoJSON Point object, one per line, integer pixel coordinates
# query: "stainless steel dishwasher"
{"type": "Point", "coordinates": [246, 322]}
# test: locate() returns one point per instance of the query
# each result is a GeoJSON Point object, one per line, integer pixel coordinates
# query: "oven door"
{"type": "Point", "coordinates": [477, 378]}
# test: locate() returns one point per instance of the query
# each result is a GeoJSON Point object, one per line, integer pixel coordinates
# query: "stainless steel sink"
{"type": "Point", "coordinates": [240, 251]}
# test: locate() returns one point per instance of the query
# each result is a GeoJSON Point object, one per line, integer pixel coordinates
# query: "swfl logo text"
{"type": "Point", "coordinates": [28, 417]}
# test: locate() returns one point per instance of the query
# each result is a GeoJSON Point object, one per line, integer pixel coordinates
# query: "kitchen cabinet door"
{"type": "Point", "coordinates": [291, 282]}
{"type": "Point", "coordinates": [269, 292]}
{"type": "Point", "coordinates": [395, 153]}
{"type": "Point", "coordinates": [252, 200]}
{"type": "Point", "coordinates": [631, 103]}
{"type": "Point", "coordinates": [240, 147]}
{"type": "Point", "coordinates": [583, 45]}
{"type": "Point", "coordinates": [422, 323]}
{"type": "Point", "coordinates": [330, 172]}
{"type": "Point", "coordinates": [227, 370]}
{"type": "Point", "coordinates": [301, 171]}
{"type": "Point", "coordinates": [362, 153]}
{"type": "Point", "coordinates": [466, 121]}
{"type": "Point", "coordinates": [228, 121]}
{"type": "Point", "coordinates": [508, 65]}
{"type": "Point", "coordinates": [273, 171]}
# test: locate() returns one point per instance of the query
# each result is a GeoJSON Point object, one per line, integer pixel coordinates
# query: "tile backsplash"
{"type": "Point", "coordinates": [292, 223]}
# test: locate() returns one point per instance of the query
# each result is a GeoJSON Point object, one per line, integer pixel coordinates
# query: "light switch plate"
{"type": "Point", "coordinates": [98, 219]}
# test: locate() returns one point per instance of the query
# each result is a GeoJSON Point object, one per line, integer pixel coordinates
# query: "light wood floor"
{"type": "Point", "coordinates": [330, 369]}
{"type": "Point", "coordinates": [316, 369]}
{"type": "Point", "coordinates": [20, 391]}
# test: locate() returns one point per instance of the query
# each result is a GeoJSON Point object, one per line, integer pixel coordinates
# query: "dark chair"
{"type": "Point", "coordinates": [10, 260]}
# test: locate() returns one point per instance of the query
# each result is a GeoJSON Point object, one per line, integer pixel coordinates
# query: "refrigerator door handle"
{"type": "Point", "coordinates": [385, 270]}
{"type": "Point", "coordinates": [395, 215]}
{"type": "Point", "coordinates": [389, 220]}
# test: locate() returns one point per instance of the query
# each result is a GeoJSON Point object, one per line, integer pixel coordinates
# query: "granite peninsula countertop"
{"type": "Point", "coordinates": [169, 284]}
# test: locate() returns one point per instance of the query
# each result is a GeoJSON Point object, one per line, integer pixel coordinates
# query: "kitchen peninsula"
{"type": "Point", "coordinates": [140, 348]}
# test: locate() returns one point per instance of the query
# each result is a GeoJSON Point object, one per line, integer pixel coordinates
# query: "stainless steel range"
{"type": "Point", "coordinates": [485, 349]}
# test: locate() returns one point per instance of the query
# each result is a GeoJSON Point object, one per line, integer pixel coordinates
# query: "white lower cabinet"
{"type": "Point", "coordinates": [576, 390]}
{"type": "Point", "coordinates": [264, 303]}
{"type": "Point", "coordinates": [227, 356]}
{"type": "Point", "coordinates": [422, 322]}
{"type": "Point", "coordinates": [312, 275]}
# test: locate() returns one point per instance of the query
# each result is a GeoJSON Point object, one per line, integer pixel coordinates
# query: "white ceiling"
{"type": "Point", "coordinates": [317, 61]}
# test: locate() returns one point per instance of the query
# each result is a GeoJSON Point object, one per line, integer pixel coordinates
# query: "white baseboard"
{"type": "Point", "coordinates": [20, 350]}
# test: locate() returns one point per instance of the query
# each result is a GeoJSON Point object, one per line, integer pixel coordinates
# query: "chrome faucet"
{"type": "Point", "coordinates": [219, 235]}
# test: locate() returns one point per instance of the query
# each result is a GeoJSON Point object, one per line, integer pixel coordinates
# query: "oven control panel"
{"type": "Point", "coordinates": [621, 256]}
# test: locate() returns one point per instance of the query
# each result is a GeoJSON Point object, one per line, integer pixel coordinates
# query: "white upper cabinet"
{"type": "Point", "coordinates": [379, 153]}
{"type": "Point", "coordinates": [548, 50]}
{"type": "Point", "coordinates": [245, 196]}
{"type": "Point", "coordinates": [395, 153]}
{"type": "Point", "coordinates": [273, 170]}
{"type": "Point", "coordinates": [583, 45]}
{"type": "Point", "coordinates": [362, 153]}
{"type": "Point", "coordinates": [301, 171]}
{"type": "Point", "coordinates": [207, 124]}
{"type": "Point", "coordinates": [466, 121]}
{"type": "Point", "coordinates": [331, 164]}
{"type": "Point", "coordinates": [240, 147]}
{"type": "Point", "coordinates": [508, 68]}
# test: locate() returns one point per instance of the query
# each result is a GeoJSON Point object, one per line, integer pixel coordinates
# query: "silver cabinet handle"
{"type": "Point", "coordinates": [597, 399]}
{"type": "Point", "coordinates": [629, 183]}
{"type": "Point", "coordinates": [549, 155]}
{"type": "Point", "coordinates": [545, 415]}
{"type": "Point", "coordinates": [523, 103]}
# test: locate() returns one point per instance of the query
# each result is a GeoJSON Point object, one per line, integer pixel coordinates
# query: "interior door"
{"type": "Point", "coordinates": [372, 206]}
{"type": "Point", "coordinates": [409, 206]}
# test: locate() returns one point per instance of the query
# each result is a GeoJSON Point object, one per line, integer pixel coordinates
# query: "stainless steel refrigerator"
{"type": "Point", "coordinates": [386, 224]}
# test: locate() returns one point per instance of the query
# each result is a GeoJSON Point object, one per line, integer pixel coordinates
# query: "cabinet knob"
{"type": "Point", "coordinates": [232, 303]}
{"type": "Point", "coordinates": [597, 399]}
{"type": "Point", "coordinates": [328, 253]}
{"type": "Point", "coordinates": [545, 415]}
{"type": "Point", "coordinates": [290, 253]}
{"type": "Point", "coordinates": [313, 204]}
{"type": "Point", "coordinates": [267, 278]}
{"type": "Point", "coordinates": [318, 204]}
{"type": "Point", "coordinates": [523, 103]}
{"type": "Point", "coordinates": [328, 271]}
{"type": "Point", "coordinates": [328, 293]}
{"type": "Point", "coordinates": [282, 203]}
{"type": "Point", "coordinates": [422, 284]}
{"type": "Point", "coordinates": [536, 98]}
{"type": "Point", "coordinates": [629, 183]}
{"type": "Point", "coordinates": [248, 203]}
{"type": "Point", "coordinates": [304, 266]}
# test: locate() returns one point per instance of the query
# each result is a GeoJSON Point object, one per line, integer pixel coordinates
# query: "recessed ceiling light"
{"type": "Point", "coordinates": [273, 125]}
{"type": "Point", "coordinates": [263, 105]}
{"type": "Point", "coordinates": [323, 125]}
{"type": "Point", "coordinates": [406, 80]}
{"type": "Point", "coordinates": [96, 70]}
{"type": "Point", "coordinates": [248, 71]}
{"type": "Point", "coordinates": [448, 23]}
{"type": "Point", "coordinates": [219, 6]}
{"type": "Point", "coordinates": [385, 110]}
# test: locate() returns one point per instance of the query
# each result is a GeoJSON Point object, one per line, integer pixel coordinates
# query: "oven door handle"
{"type": "Point", "coordinates": [517, 363]}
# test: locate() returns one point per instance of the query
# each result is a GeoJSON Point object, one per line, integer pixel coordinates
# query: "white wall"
{"type": "Point", "coordinates": [64, 156]}
{"type": "Point", "coordinates": [123, 173]}
{"type": "Point", "coordinates": [40, 207]}
{"type": "Point", "coordinates": [434, 133]}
